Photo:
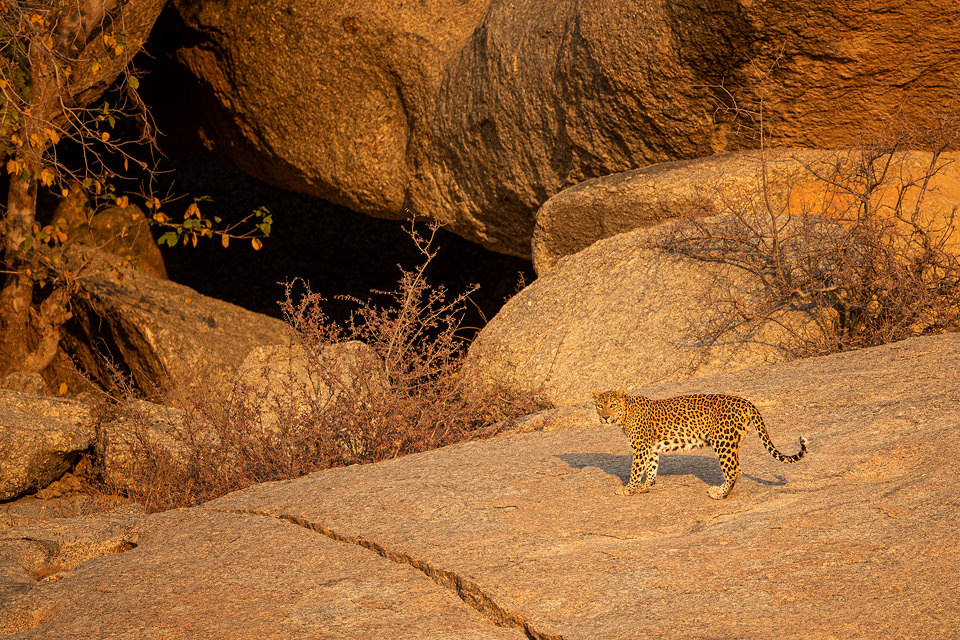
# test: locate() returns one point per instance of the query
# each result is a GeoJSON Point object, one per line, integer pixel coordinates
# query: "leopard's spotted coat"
{"type": "Point", "coordinates": [683, 423]}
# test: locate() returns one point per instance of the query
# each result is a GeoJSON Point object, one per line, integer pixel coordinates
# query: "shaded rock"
{"type": "Point", "coordinates": [164, 334]}
{"type": "Point", "coordinates": [40, 439]}
{"type": "Point", "coordinates": [475, 113]}
{"type": "Point", "coordinates": [123, 232]}
{"type": "Point", "coordinates": [857, 540]}
{"type": "Point", "coordinates": [31, 383]}
{"type": "Point", "coordinates": [622, 313]}
{"type": "Point", "coordinates": [796, 182]}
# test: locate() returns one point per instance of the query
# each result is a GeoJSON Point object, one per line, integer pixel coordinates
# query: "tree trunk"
{"type": "Point", "coordinates": [28, 336]}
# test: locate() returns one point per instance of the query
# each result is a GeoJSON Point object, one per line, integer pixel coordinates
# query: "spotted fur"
{"type": "Point", "coordinates": [681, 424]}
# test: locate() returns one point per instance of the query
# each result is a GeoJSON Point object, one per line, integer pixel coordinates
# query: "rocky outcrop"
{"type": "Point", "coordinates": [164, 334]}
{"type": "Point", "coordinates": [475, 113]}
{"type": "Point", "coordinates": [792, 181]}
{"type": "Point", "coordinates": [524, 535]}
{"type": "Point", "coordinates": [623, 313]}
{"type": "Point", "coordinates": [40, 439]}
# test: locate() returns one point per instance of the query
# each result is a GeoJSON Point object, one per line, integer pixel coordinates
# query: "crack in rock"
{"type": "Point", "coordinates": [469, 592]}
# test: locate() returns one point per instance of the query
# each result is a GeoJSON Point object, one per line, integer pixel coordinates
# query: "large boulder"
{"type": "Point", "coordinates": [474, 113]}
{"type": "Point", "coordinates": [789, 181]}
{"type": "Point", "coordinates": [623, 313]}
{"type": "Point", "coordinates": [166, 336]}
{"type": "Point", "coordinates": [524, 536]}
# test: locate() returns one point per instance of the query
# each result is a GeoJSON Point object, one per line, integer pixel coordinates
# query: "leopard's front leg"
{"type": "Point", "coordinates": [644, 463]}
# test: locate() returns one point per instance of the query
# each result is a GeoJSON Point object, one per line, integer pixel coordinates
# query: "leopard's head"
{"type": "Point", "coordinates": [611, 405]}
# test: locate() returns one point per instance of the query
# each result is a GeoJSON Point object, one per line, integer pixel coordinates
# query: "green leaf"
{"type": "Point", "coordinates": [111, 121]}
{"type": "Point", "coordinates": [169, 238]}
{"type": "Point", "coordinates": [133, 82]}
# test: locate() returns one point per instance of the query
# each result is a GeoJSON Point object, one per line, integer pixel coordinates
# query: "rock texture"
{"type": "Point", "coordinates": [621, 313]}
{"type": "Point", "coordinates": [796, 182]}
{"type": "Point", "coordinates": [858, 540]}
{"type": "Point", "coordinates": [123, 232]}
{"type": "Point", "coordinates": [40, 439]}
{"type": "Point", "coordinates": [163, 333]}
{"type": "Point", "coordinates": [474, 113]}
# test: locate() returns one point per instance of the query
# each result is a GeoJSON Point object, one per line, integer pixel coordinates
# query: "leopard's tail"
{"type": "Point", "coordinates": [765, 438]}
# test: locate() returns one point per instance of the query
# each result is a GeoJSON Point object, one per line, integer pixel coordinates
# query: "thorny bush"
{"type": "Point", "coordinates": [387, 383]}
{"type": "Point", "coordinates": [869, 264]}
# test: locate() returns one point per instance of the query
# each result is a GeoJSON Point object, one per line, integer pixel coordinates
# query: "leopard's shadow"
{"type": "Point", "coordinates": [705, 468]}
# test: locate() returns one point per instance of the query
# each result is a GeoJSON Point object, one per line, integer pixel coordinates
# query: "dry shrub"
{"type": "Point", "coordinates": [867, 261]}
{"type": "Point", "coordinates": [324, 404]}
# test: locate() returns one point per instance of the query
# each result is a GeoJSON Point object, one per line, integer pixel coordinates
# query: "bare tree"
{"type": "Point", "coordinates": [57, 60]}
{"type": "Point", "coordinates": [67, 83]}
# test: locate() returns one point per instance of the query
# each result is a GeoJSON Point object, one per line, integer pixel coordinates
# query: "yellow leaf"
{"type": "Point", "coordinates": [255, 242]}
{"type": "Point", "coordinates": [192, 210]}
{"type": "Point", "coordinates": [65, 193]}
{"type": "Point", "coordinates": [160, 217]}
{"type": "Point", "coordinates": [188, 300]}
{"type": "Point", "coordinates": [3, 83]}
{"type": "Point", "coordinates": [95, 68]}
{"type": "Point", "coordinates": [63, 388]}
{"type": "Point", "coordinates": [225, 241]}
{"type": "Point", "coordinates": [35, 141]}
{"type": "Point", "coordinates": [105, 136]}
{"type": "Point", "coordinates": [46, 176]}
{"type": "Point", "coordinates": [13, 167]}
{"type": "Point", "coordinates": [52, 135]}
{"type": "Point", "coordinates": [193, 238]}
{"type": "Point", "coordinates": [123, 201]}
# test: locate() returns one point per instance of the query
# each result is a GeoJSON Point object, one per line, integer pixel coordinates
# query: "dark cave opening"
{"type": "Point", "coordinates": [335, 250]}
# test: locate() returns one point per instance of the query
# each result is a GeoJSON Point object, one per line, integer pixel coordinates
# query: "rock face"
{"type": "Point", "coordinates": [160, 331]}
{"type": "Point", "coordinates": [796, 182]}
{"type": "Point", "coordinates": [620, 313]}
{"type": "Point", "coordinates": [857, 540]}
{"type": "Point", "coordinates": [474, 113]}
{"type": "Point", "coordinates": [40, 438]}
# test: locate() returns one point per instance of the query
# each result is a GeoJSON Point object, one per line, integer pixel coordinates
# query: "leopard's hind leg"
{"type": "Point", "coordinates": [729, 455]}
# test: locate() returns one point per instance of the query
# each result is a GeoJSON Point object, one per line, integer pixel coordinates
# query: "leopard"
{"type": "Point", "coordinates": [683, 423]}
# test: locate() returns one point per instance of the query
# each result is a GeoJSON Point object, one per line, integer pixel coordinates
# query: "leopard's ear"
{"type": "Point", "coordinates": [596, 395]}
{"type": "Point", "coordinates": [621, 392]}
